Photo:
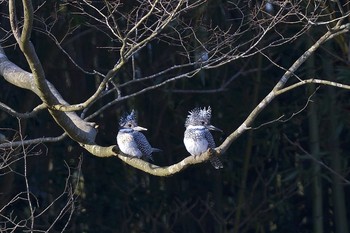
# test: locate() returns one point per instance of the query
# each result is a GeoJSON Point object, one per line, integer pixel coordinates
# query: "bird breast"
{"type": "Point", "coordinates": [127, 144]}
{"type": "Point", "coordinates": [195, 141]}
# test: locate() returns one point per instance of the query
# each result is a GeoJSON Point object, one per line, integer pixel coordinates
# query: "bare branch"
{"type": "Point", "coordinates": [131, 30]}
{"type": "Point", "coordinates": [74, 126]}
{"type": "Point", "coordinates": [31, 209]}
{"type": "Point", "coordinates": [297, 145]}
{"type": "Point", "coordinates": [28, 142]}
{"type": "Point", "coordinates": [167, 170]}
{"type": "Point", "coordinates": [65, 201]}
{"type": "Point", "coordinates": [316, 81]}
{"type": "Point", "coordinates": [249, 120]}
{"type": "Point", "coordinates": [12, 112]}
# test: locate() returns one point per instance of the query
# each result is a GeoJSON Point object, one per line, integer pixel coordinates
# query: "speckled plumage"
{"type": "Point", "coordinates": [197, 137]}
{"type": "Point", "coordinates": [132, 142]}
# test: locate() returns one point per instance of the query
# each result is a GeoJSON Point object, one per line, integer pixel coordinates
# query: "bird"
{"type": "Point", "coordinates": [131, 141]}
{"type": "Point", "coordinates": [197, 137]}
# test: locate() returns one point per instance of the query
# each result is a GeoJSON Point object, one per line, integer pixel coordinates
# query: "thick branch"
{"type": "Point", "coordinates": [28, 21]}
{"type": "Point", "coordinates": [76, 128]}
{"type": "Point", "coordinates": [149, 167]}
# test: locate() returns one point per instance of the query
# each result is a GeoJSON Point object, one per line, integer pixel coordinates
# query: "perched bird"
{"type": "Point", "coordinates": [131, 141]}
{"type": "Point", "coordinates": [197, 138]}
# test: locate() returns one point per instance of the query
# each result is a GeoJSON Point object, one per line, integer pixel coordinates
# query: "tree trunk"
{"type": "Point", "coordinates": [247, 155]}
{"type": "Point", "coordinates": [316, 182]}
{"type": "Point", "coordinates": [338, 196]}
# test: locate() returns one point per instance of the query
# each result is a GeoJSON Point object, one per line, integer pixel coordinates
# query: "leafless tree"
{"type": "Point", "coordinates": [23, 210]}
{"type": "Point", "coordinates": [256, 27]}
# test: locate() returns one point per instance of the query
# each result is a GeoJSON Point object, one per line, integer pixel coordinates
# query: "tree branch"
{"type": "Point", "coordinates": [14, 113]}
{"type": "Point", "coordinates": [312, 80]}
{"type": "Point", "coordinates": [217, 46]}
{"type": "Point", "coordinates": [28, 142]}
{"type": "Point", "coordinates": [252, 116]}
{"type": "Point", "coordinates": [167, 170]}
{"type": "Point", "coordinates": [78, 129]}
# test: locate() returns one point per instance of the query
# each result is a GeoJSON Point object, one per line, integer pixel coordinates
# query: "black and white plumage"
{"type": "Point", "coordinates": [131, 141]}
{"type": "Point", "coordinates": [197, 138]}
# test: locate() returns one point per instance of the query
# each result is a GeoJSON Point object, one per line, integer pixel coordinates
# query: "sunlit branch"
{"type": "Point", "coordinates": [76, 128]}
{"type": "Point", "coordinates": [281, 83]}
{"type": "Point", "coordinates": [137, 45]}
{"type": "Point", "coordinates": [25, 175]}
{"type": "Point", "coordinates": [112, 72]}
{"type": "Point", "coordinates": [95, 96]}
{"type": "Point", "coordinates": [117, 35]}
{"type": "Point", "coordinates": [30, 54]}
{"type": "Point", "coordinates": [13, 20]}
{"type": "Point", "coordinates": [223, 86]}
{"type": "Point", "coordinates": [14, 113]}
{"type": "Point", "coordinates": [141, 20]}
{"type": "Point", "coordinates": [283, 118]}
{"type": "Point", "coordinates": [149, 167]}
{"type": "Point", "coordinates": [159, 74]}
{"type": "Point", "coordinates": [125, 53]}
{"type": "Point", "coordinates": [27, 142]}
{"type": "Point", "coordinates": [142, 27]}
{"type": "Point", "coordinates": [27, 197]}
{"type": "Point", "coordinates": [111, 103]}
{"type": "Point", "coordinates": [58, 44]}
{"type": "Point", "coordinates": [316, 81]}
{"type": "Point", "coordinates": [28, 21]}
{"type": "Point", "coordinates": [167, 170]}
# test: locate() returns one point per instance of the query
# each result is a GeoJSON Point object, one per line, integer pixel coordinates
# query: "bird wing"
{"type": "Point", "coordinates": [143, 144]}
{"type": "Point", "coordinates": [210, 139]}
{"type": "Point", "coordinates": [214, 160]}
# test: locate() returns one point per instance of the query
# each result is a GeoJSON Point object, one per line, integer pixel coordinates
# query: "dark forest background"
{"type": "Point", "coordinates": [297, 151]}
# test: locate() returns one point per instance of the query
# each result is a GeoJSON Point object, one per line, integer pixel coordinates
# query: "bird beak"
{"type": "Point", "coordinates": [139, 128]}
{"type": "Point", "coordinates": [211, 127]}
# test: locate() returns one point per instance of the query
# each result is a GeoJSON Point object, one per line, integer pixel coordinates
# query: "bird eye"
{"type": "Point", "coordinates": [129, 125]}
{"type": "Point", "coordinates": [203, 123]}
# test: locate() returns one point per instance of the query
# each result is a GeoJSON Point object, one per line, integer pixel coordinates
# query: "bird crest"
{"type": "Point", "coordinates": [197, 115]}
{"type": "Point", "coordinates": [128, 118]}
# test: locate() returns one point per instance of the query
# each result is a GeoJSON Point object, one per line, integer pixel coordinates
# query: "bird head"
{"type": "Point", "coordinates": [200, 118]}
{"type": "Point", "coordinates": [129, 122]}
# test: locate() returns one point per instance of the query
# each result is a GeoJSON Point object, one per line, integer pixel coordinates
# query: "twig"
{"type": "Point", "coordinates": [297, 145]}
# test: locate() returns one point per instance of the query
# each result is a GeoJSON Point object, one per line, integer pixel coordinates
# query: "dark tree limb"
{"type": "Point", "coordinates": [84, 132]}
{"type": "Point", "coordinates": [14, 113]}
{"type": "Point", "coordinates": [76, 128]}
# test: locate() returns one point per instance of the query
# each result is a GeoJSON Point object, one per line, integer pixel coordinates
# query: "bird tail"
{"type": "Point", "coordinates": [149, 157]}
{"type": "Point", "coordinates": [156, 150]}
{"type": "Point", "coordinates": [215, 161]}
